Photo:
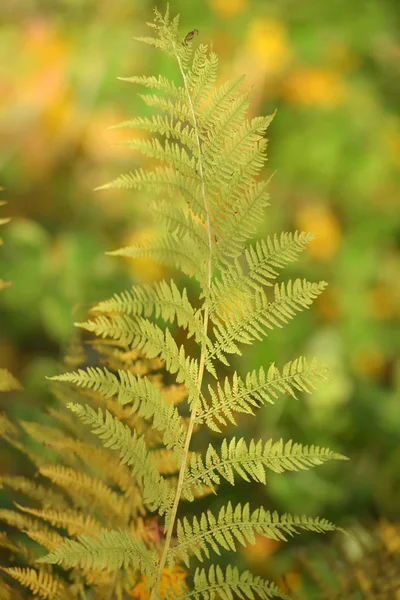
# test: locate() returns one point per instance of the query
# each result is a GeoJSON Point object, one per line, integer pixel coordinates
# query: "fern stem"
{"type": "Point", "coordinates": [204, 350]}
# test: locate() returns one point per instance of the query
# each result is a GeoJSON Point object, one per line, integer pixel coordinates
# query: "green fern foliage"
{"type": "Point", "coordinates": [140, 463]}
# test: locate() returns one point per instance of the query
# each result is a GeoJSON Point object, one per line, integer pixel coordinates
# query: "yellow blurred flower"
{"type": "Point", "coordinates": [169, 579]}
{"type": "Point", "coordinates": [320, 219]}
{"type": "Point", "coordinates": [47, 50]}
{"type": "Point", "coordinates": [369, 361]}
{"type": "Point", "coordinates": [228, 8]}
{"type": "Point", "coordinates": [255, 554]}
{"type": "Point", "coordinates": [314, 86]}
{"type": "Point", "coordinates": [290, 582]}
{"type": "Point", "coordinates": [382, 302]}
{"type": "Point", "coordinates": [268, 45]}
{"type": "Point", "coordinates": [326, 306]}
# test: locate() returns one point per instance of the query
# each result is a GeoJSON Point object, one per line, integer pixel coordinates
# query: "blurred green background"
{"type": "Point", "coordinates": [332, 69]}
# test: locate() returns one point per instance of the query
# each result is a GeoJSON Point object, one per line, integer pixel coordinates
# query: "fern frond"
{"type": "Point", "coordinates": [234, 155]}
{"type": "Point", "coordinates": [74, 521]}
{"type": "Point", "coordinates": [259, 315]}
{"type": "Point", "coordinates": [176, 109]}
{"type": "Point", "coordinates": [170, 251]}
{"type": "Point", "coordinates": [167, 152]}
{"type": "Point", "coordinates": [201, 76]}
{"type": "Point", "coordinates": [41, 583]}
{"type": "Point", "coordinates": [8, 382]}
{"type": "Point", "coordinates": [6, 593]}
{"type": "Point", "coordinates": [275, 252]}
{"type": "Point", "coordinates": [249, 461]}
{"type": "Point", "coordinates": [86, 491]}
{"type": "Point", "coordinates": [106, 464]}
{"type": "Point", "coordinates": [220, 101]}
{"type": "Point", "coordinates": [8, 544]}
{"type": "Point", "coordinates": [151, 340]}
{"type": "Point", "coordinates": [21, 521]}
{"type": "Point", "coordinates": [146, 399]}
{"type": "Point", "coordinates": [259, 388]}
{"type": "Point", "coordinates": [162, 299]}
{"type": "Point", "coordinates": [165, 126]}
{"type": "Point", "coordinates": [45, 495]}
{"type": "Point", "coordinates": [181, 223]}
{"type": "Point", "coordinates": [109, 550]}
{"type": "Point", "coordinates": [236, 226]}
{"type": "Point", "coordinates": [263, 259]}
{"type": "Point", "coordinates": [48, 539]}
{"type": "Point", "coordinates": [160, 83]}
{"type": "Point", "coordinates": [133, 452]}
{"type": "Point", "coordinates": [163, 180]}
{"type": "Point", "coordinates": [217, 584]}
{"type": "Point", "coordinates": [238, 524]}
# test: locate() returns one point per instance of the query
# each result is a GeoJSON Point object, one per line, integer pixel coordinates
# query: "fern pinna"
{"type": "Point", "coordinates": [208, 193]}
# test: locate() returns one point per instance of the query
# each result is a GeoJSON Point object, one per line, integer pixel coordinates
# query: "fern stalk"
{"type": "Point", "coordinates": [192, 420]}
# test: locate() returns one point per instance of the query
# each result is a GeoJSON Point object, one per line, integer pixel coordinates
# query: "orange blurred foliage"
{"type": "Point", "coordinates": [319, 219]}
{"type": "Point", "coordinates": [228, 8]}
{"type": "Point", "coordinates": [169, 579]}
{"type": "Point", "coordinates": [314, 86]}
{"type": "Point", "coordinates": [255, 554]}
{"type": "Point", "coordinates": [326, 306]}
{"type": "Point", "coordinates": [267, 41]}
{"type": "Point", "coordinates": [369, 361]}
{"type": "Point", "coordinates": [382, 302]}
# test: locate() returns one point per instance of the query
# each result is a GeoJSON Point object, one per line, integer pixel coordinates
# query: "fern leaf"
{"type": "Point", "coordinates": [162, 299]}
{"type": "Point", "coordinates": [146, 399]}
{"type": "Point", "coordinates": [6, 593]}
{"type": "Point", "coordinates": [133, 452]}
{"type": "Point", "coordinates": [165, 126]}
{"type": "Point", "coordinates": [87, 491]}
{"type": "Point", "coordinates": [8, 382]}
{"type": "Point", "coordinates": [41, 583]}
{"type": "Point", "coordinates": [202, 75]}
{"type": "Point", "coordinates": [160, 83]}
{"type": "Point", "coordinates": [75, 522]}
{"type": "Point", "coordinates": [181, 223]}
{"type": "Point", "coordinates": [9, 545]}
{"type": "Point", "coordinates": [141, 334]}
{"type": "Point", "coordinates": [169, 251]}
{"type": "Point", "coordinates": [34, 491]}
{"type": "Point", "coordinates": [263, 259]}
{"type": "Point", "coordinates": [237, 226]}
{"type": "Point", "coordinates": [238, 524]}
{"type": "Point", "coordinates": [175, 108]}
{"type": "Point", "coordinates": [107, 465]}
{"type": "Point", "coordinates": [168, 152]}
{"type": "Point", "coordinates": [257, 317]}
{"type": "Point", "coordinates": [163, 180]}
{"type": "Point", "coordinates": [109, 550]}
{"type": "Point", "coordinates": [219, 584]}
{"type": "Point", "coordinates": [275, 252]}
{"type": "Point", "coordinates": [249, 461]}
{"type": "Point", "coordinates": [21, 521]}
{"type": "Point", "coordinates": [233, 156]}
{"type": "Point", "coordinates": [220, 101]}
{"type": "Point", "coordinates": [48, 539]}
{"type": "Point", "coordinates": [259, 388]}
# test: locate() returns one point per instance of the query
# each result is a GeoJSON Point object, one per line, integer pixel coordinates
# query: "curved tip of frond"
{"type": "Point", "coordinates": [85, 325]}
{"type": "Point", "coordinates": [128, 251]}
{"type": "Point", "coordinates": [106, 186]}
